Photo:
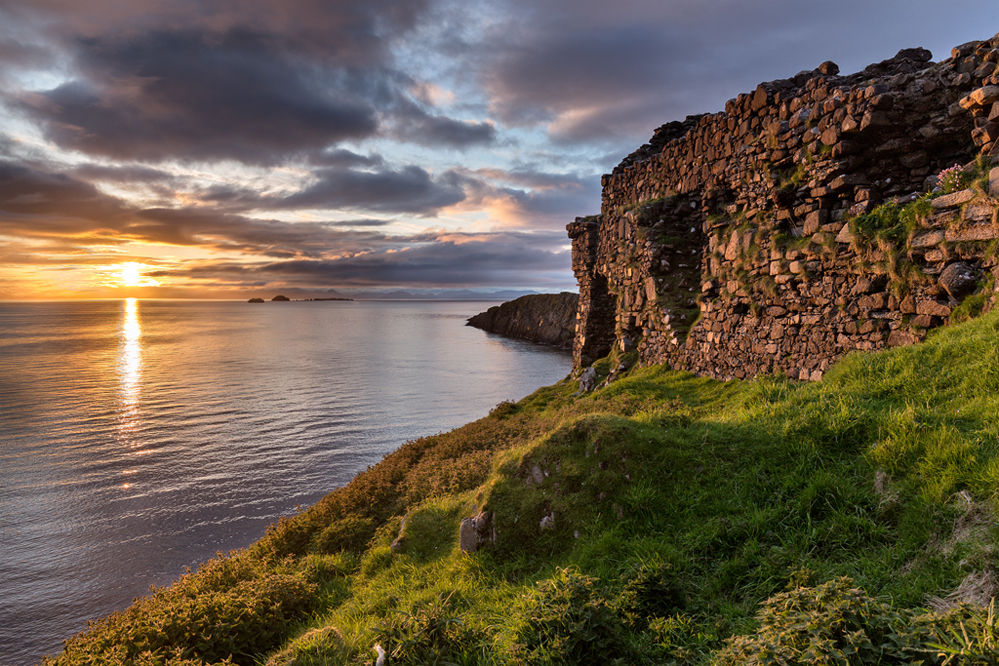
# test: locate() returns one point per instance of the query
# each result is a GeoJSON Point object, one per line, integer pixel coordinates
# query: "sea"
{"type": "Point", "coordinates": [140, 437]}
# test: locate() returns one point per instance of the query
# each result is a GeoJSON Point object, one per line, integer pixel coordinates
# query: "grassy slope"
{"type": "Point", "coordinates": [679, 505]}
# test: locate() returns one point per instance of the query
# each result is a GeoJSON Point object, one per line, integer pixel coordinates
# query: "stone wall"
{"type": "Point", "coordinates": [755, 240]}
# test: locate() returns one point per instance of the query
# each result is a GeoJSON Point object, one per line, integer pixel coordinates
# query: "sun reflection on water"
{"type": "Point", "coordinates": [129, 371]}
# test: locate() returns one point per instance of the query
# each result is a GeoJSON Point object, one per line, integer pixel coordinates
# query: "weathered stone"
{"type": "Point", "coordinates": [845, 235]}
{"type": "Point", "coordinates": [814, 221]}
{"type": "Point", "coordinates": [476, 532]}
{"type": "Point", "coordinates": [929, 239]}
{"type": "Point", "coordinates": [901, 338]}
{"type": "Point", "coordinates": [934, 308]}
{"type": "Point", "coordinates": [981, 97]}
{"type": "Point", "coordinates": [959, 279]}
{"type": "Point", "coordinates": [979, 212]}
{"type": "Point", "coordinates": [830, 136]}
{"type": "Point", "coordinates": [874, 119]}
{"type": "Point", "coordinates": [953, 199]}
{"type": "Point", "coordinates": [828, 68]}
{"type": "Point", "coordinates": [760, 98]}
{"type": "Point", "coordinates": [978, 232]}
{"type": "Point", "coordinates": [994, 182]}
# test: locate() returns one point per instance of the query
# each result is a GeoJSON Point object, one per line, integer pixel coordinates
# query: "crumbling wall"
{"type": "Point", "coordinates": [751, 241]}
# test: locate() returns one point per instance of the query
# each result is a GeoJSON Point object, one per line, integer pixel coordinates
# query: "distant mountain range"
{"type": "Point", "coordinates": [404, 294]}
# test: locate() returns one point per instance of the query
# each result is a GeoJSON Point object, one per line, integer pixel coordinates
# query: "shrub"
{"type": "Point", "coordinates": [835, 623]}
{"type": "Point", "coordinates": [651, 591]}
{"type": "Point", "coordinates": [432, 634]}
{"type": "Point", "coordinates": [351, 532]}
{"type": "Point", "coordinates": [180, 626]}
{"type": "Point", "coordinates": [567, 619]}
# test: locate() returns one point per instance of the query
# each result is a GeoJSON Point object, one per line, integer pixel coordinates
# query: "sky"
{"type": "Point", "coordinates": [237, 148]}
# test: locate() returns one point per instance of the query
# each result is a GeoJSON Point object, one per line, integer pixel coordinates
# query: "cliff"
{"type": "Point", "coordinates": [544, 318]}
{"type": "Point", "coordinates": [807, 220]}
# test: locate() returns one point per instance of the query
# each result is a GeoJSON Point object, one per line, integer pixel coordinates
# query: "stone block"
{"type": "Point", "coordinates": [953, 199]}
{"type": "Point", "coordinates": [994, 182]}
{"type": "Point", "coordinates": [846, 180]}
{"type": "Point", "coordinates": [902, 339]}
{"type": "Point", "coordinates": [978, 232]}
{"type": "Point", "coordinates": [845, 235]}
{"type": "Point", "coordinates": [814, 221]}
{"type": "Point", "coordinates": [934, 308]}
{"type": "Point", "coordinates": [979, 212]}
{"type": "Point", "coordinates": [929, 239]}
{"type": "Point", "coordinates": [983, 96]}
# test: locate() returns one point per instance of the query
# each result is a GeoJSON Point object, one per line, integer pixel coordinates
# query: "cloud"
{"type": "Point", "coordinates": [596, 72]}
{"type": "Point", "coordinates": [443, 260]}
{"type": "Point", "coordinates": [194, 97]}
{"type": "Point", "coordinates": [410, 189]}
{"type": "Point", "coordinates": [222, 82]}
{"type": "Point", "coordinates": [531, 198]}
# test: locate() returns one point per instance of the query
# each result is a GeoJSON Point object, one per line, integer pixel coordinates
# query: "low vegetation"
{"type": "Point", "coordinates": [687, 521]}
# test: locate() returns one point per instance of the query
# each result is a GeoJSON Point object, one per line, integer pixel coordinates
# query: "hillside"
{"type": "Point", "coordinates": [663, 518]}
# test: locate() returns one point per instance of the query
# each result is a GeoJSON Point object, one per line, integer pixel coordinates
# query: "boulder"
{"type": "Point", "coordinates": [959, 279]}
{"type": "Point", "coordinates": [476, 532]}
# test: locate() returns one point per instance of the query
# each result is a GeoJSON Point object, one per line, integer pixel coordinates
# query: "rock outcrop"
{"type": "Point", "coordinates": [546, 318]}
{"type": "Point", "coordinates": [775, 236]}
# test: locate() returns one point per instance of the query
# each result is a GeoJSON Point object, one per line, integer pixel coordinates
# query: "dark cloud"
{"type": "Point", "coordinates": [36, 203]}
{"type": "Point", "coordinates": [441, 261]}
{"type": "Point", "coordinates": [409, 189]}
{"type": "Point", "coordinates": [194, 97]}
{"type": "Point", "coordinates": [593, 71]}
{"type": "Point", "coordinates": [442, 132]}
{"type": "Point", "coordinates": [344, 159]}
{"type": "Point", "coordinates": [218, 81]}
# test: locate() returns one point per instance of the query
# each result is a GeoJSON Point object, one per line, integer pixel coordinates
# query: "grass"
{"type": "Point", "coordinates": [689, 521]}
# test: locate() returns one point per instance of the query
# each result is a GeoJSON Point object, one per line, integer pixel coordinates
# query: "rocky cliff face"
{"type": "Point", "coordinates": [790, 229]}
{"type": "Point", "coordinates": [545, 318]}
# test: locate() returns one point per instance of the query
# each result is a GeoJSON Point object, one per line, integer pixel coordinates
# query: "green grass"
{"type": "Point", "coordinates": [691, 521]}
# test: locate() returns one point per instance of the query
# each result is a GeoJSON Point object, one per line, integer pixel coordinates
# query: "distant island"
{"type": "Point", "coordinates": [279, 298]}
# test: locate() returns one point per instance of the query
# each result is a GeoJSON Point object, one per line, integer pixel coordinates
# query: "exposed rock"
{"type": "Point", "coordinates": [476, 531]}
{"type": "Point", "coordinates": [545, 318]}
{"type": "Point", "coordinates": [279, 297]}
{"type": "Point", "coordinates": [255, 300]}
{"type": "Point", "coordinates": [959, 279]}
{"type": "Point", "coordinates": [587, 381]}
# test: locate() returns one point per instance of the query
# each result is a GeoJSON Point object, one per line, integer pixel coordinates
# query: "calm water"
{"type": "Point", "coordinates": [140, 437]}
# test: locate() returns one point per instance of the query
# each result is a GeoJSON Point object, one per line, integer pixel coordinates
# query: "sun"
{"type": "Point", "coordinates": [130, 275]}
